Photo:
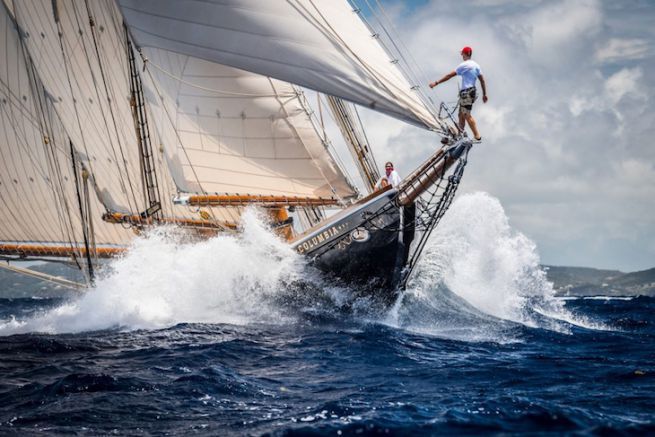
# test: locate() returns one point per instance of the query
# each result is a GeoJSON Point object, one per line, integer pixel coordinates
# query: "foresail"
{"type": "Point", "coordinates": [230, 131]}
{"type": "Point", "coordinates": [322, 45]}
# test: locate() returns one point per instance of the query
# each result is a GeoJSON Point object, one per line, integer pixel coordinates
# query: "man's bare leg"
{"type": "Point", "coordinates": [473, 126]}
{"type": "Point", "coordinates": [462, 119]}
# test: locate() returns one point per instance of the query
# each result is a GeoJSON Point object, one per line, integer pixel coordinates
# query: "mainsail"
{"type": "Point", "coordinates": [38, 186]}
{"type": "Point", "coordinates": [321, 45]}
{"type": "Point", "coordinates": [70, 151]}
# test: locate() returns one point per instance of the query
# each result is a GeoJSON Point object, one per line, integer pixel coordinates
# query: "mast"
{"type": "Point", "coordinates": [353, 132]}
{"type": "Point", "coordinates": [146, 157]}
{"type": "Point", "coordinates": [83, 217]}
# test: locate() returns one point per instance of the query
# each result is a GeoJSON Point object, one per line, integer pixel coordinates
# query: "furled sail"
{"type": "Point", "coordinates": [322, 45]}
{"type": "Point", "coordinates": [227, 130]}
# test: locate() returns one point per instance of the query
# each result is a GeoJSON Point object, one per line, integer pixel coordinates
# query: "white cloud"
{"type": "Point", "coordinates": [567, 147]}
{"type": "Point", "coordinates": [622, 49]}
{"type": "Point", "coordinates": [553, 33]}
{"type": "Point", "coordinates": [622, 83]}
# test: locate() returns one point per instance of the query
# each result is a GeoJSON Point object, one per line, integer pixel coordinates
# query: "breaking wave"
{"type": "Point", "coordinates": [482, 273]}
{"type": "Point", "coordinates": [478, 278]}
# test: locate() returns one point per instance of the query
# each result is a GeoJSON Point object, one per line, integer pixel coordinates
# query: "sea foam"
{"type": "Point", "coordinates": [476, 256]}
{"type": "Point", "coordinates": [477, 275]}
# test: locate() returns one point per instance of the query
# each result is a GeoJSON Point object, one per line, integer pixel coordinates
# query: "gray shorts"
{"type": "Point", "coordinates": [466, 98]}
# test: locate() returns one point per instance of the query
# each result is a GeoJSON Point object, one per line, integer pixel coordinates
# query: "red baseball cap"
{"type": "Point", "coordinates": [467, 51]}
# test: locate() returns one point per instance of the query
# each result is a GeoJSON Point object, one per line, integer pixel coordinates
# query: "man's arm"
{"type": "Point", "coordinates": [484, 88]}
{"type": "Point", "coordinates": [443, 79]}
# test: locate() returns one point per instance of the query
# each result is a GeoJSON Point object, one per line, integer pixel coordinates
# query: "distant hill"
{"type": "Point", "coordinates": [585, 281]}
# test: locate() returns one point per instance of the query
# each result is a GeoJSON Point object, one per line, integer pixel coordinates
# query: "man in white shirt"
{"type": "Point", "coordinates": [470, 71]}
{"type": "Point", "coordinates": [391, 177]}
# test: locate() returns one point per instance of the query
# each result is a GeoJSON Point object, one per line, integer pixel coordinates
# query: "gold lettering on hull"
{"type": "Point", "coordinates": [321, 238]}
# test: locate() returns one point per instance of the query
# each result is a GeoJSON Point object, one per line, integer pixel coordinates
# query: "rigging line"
{"type": "Point", "coordinates": [84, 229]}
{"type": "Point", "coordinates": [53, 159]}
{"type": "Point", "coordinates": [88, 212]}
{"type": "Point", "coordinates": [442, 206]}
{"type": "Point", "coordinates": [15, 101]}
{"type": "Point", "coordinates": [418, 75]}
{"type": "Point", "coordinates": [358, 150]}
{"type": "Point", "coordinates": [403, 67]}
{"type": "Point", "coordinates": [166, 113]}
{"type": "Point", "coordinates": [336, 111]}
{"type": "Point", "coordinates": [117, 67]}
{"type": "Point", "coordinates": [23, 144]}
{"type": "Point", "coordinates": [147, 156]}
{"type": "Point", "coordinates": [92, 26]}
{"type": "Point", "coordinates": [411, 63]}
{"type": "Point", "coordinates": [368, 143]}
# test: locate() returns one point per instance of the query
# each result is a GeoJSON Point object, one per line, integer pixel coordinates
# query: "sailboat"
{"type": "Point", "coordinates": [120, 116]}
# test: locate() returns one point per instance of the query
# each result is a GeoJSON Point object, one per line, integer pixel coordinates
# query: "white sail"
{"type": "Point", "coordinates": [227, 130]}
{"type": "Point", "coordinates": [89, 89]}
{"type": "Point", "coordinates": [87, 83]}
{"type": "Point", "coordinates": [37, 184]}
{"type": "Point", "coordinates": [319, 44]}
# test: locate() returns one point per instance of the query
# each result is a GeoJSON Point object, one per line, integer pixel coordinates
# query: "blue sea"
{"type": "Point", "coordinates": [239, 336]}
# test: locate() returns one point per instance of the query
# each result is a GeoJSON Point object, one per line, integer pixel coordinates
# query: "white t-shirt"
{"type": "Point", "coordinates": [469, 71]}
{"type": "Point", "coordinates": [393, 179]}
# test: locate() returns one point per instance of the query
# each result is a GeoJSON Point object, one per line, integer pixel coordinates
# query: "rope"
{"type": "Point", "coordinates": [439, 210]}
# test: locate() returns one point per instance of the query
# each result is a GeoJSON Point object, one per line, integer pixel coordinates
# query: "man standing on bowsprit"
{"type": "Point", "coordinates": [469, 70]}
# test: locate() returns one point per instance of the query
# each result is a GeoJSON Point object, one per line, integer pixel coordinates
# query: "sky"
{"type": "Point", "coordinates": [568, 130]}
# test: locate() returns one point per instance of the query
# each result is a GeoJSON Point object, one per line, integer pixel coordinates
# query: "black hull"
{"type": "Point", "coordinates": [365, 245]}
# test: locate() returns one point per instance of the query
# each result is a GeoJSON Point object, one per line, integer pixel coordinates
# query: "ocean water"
{"type": "Point", "coordinates": [240, 336]}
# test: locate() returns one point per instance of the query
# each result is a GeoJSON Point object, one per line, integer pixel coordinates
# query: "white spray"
{"type": "Point", "coordinates": [163, 280]}
{"type": "Point", "coordinates": [475, 254]}
{"type": "Point", "coordinates": [476, 274]}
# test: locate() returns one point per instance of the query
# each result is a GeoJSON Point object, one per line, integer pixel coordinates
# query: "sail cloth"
{"type": "Point", "coordinates": [319, 44]}
{"type": "Point", "coordinates": [227, 130]}
{"type": "Point", "coordinates": [89, 90]}
{"type": "Point", "coordinates": [37, 185]}
{"type": "Point", "coordinates": [86, 81]}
